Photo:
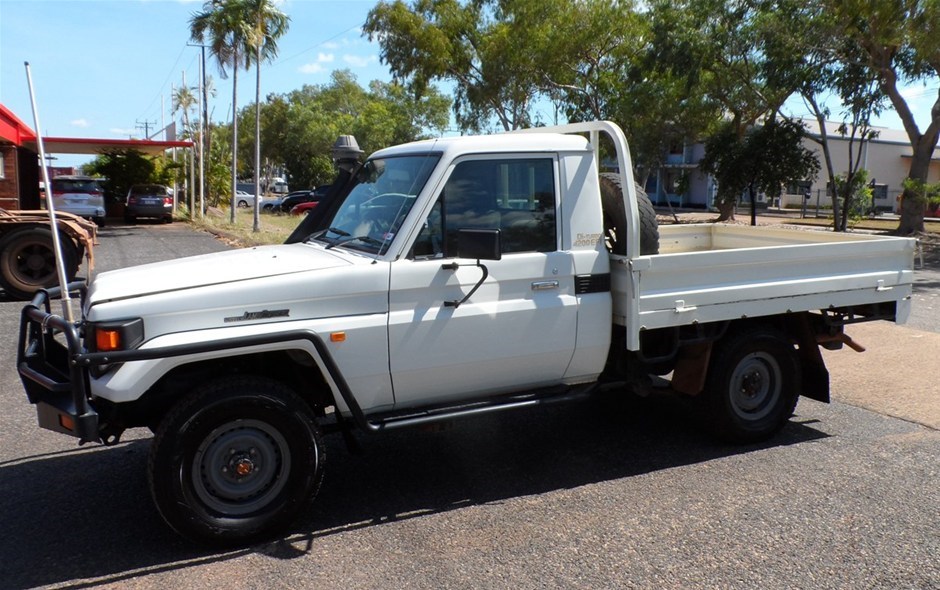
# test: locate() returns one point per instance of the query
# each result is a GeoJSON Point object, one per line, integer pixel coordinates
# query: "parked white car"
{"type": "Point", "coordinates": [79, 195]}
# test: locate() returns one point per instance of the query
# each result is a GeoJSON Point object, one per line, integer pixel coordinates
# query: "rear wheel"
{"type": "Point", "coordinates": [236, 461]}
{"type": "Point", "coordinates": [28, 262]}
{"type": "Point", "coordinates": [615, 217]}
{"type": "Point", "coordinates": [752, 385]}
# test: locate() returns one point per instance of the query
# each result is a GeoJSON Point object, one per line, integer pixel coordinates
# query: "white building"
{"type": "Point", "coordinates": [886, 157]}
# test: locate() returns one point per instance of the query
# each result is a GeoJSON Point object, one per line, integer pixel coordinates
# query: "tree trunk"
{"type": "Point", "coordinates": [751, 190]}
{"type": "Point", "coordinates": [256, 226]}
{"type": "Point", "coordinates": [827, 156]}
{"type": "Point", "coordinates": [912, 204]}
{"type": "Point", "coordinates": [234, 138]}
{"type": "Point", "coordinates": [725, 209]}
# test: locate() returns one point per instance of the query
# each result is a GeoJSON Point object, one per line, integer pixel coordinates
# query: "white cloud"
{"type": "Point", "coordinates": [126, 132]}
{"type": "Point", "coordinates": [331, 45]}
{"type": "Point", "coordinates": [81, 123]}
{"type": "Point", "coordinates": [317, 66]}
{"type": "Point", "coordinates": [358, 61]}
{"type": "Point", "coordinates": [313, 68]}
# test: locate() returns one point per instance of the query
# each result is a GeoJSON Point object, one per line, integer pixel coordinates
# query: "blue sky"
{"type": "Point", "coordinates": [101, 68]}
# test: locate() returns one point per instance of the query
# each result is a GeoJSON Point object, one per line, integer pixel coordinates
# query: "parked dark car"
{"type": "Point", "coordinates": [306, 196]}
{"type": "Point", "coordinates": [149, 200]}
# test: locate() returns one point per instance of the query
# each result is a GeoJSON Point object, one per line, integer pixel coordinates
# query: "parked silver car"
{"type": "Point", "coordinates": [79, 195]}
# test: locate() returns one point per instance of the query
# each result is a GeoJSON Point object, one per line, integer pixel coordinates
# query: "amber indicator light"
{"type": "Point", "coordinates": [107, 340]}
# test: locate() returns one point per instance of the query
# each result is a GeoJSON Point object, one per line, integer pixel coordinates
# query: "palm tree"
{"type": "Point", "coordinates": [266, 25]}
{"type": "Point", "coordinates": [183, 99]}
{"type": "Point", "coordinates": [224, 24]}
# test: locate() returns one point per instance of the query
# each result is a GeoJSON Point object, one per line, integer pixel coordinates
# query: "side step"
{"type": "Point", "coordinates": [497, 404]}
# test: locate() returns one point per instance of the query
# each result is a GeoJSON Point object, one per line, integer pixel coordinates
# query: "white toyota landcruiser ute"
{"type": "Point", "coordinates": [443, 278]}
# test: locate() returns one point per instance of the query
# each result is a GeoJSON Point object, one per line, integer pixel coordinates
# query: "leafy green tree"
{"type": "Point", "coordinates": [766, 159]}
{"type": "Point", "coordinates": [122, 168]}
{"type": "Point", "coordinates": [899, 42]}
{"type": "Point", "coordinates": [856, 194]}
{"type": "Point", "coordinates": [226, 27]}
{"type": "Point", "coordinates": [469, 44]}
{"type": "Point", "coordinates": [739, 54]}
{"type": "Point", "coordinates": [604, 60]}
{"type": "Point", "coordinates": [299, 128]}
{"type": "Point", "coordinates": [183, 100]}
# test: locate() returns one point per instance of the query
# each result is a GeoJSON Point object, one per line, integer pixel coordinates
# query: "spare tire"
{"type": "Point", "coordinates": [615, 217]}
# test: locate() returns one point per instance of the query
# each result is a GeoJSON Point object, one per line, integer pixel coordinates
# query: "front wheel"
{"type": "Point", "coordinates": [236, 461]}
{"type": "Point", "coordinates": [752, 386]}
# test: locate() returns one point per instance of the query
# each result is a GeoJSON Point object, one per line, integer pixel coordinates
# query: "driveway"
{"type": "Point", "coordinates": [591, 495]}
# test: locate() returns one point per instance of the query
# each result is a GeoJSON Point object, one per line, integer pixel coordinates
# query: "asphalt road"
{"type": "Point", "coordinates": [591, 495]}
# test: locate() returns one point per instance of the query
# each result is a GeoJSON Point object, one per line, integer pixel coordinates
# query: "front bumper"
{"type": "Point", "coordinates": [48, 353]}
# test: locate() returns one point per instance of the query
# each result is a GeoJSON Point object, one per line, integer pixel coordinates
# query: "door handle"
{"type": "Point", "coordinates": [544, 285]}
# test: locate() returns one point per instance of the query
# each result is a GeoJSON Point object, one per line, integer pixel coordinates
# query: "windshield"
{"type": "Point", "coordinates": [384, 193]}
{"type": "Point", "coordinates": [75, 185]}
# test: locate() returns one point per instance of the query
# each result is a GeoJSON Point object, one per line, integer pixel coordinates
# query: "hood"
{"type": "Point", "coordinates": [211, 269]}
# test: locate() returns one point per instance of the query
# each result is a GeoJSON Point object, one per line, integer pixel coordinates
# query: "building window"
{"type": "Point", "coordinates": [3, 166]}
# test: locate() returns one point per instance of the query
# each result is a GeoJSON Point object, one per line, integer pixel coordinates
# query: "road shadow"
{"type": "Point", "coordinates": [87, 514]}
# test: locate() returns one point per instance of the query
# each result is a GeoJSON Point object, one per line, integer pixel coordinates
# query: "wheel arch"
{"type": "Point", "coordinates": [301, 361]}
{"type": "Point", "coordinates": [693, 360]}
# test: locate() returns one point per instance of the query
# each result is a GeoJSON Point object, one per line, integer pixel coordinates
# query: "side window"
{"type": "Point", "coordinates": [516, 196]}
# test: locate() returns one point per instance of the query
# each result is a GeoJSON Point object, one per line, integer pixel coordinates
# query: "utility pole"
{"type": "Point", "coordinates": [204, 137]}
{"type": "Point", "coordinates": [145, 124]}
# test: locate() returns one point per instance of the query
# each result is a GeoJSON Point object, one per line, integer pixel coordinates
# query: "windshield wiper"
{"type": "Point", "coordinates": [319, 234]}
{"type": "Point", "coordinates": [348, 238]}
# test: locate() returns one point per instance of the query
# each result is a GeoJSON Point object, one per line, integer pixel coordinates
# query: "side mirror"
{"type": "Point", "coordinates": [482, 244]}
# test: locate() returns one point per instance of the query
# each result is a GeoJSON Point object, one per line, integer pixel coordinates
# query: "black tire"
{"type": "Point", "coordinates": [242, 204]}
{"type": "Point", "coordinates": [615, 217]}
{"type": "Point", "coordinates": [232, 425]}
{"type": "Point", "coordinates": [752, 385]}
{"type": "Point", "coordinates": [27, 261]}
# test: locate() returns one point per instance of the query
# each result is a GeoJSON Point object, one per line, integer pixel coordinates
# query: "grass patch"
{"type": "Point", "coordinates": [274, 227]}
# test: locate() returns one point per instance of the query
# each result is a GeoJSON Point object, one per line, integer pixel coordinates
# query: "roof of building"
{"type": "Point", "coordinates": [15, 131]}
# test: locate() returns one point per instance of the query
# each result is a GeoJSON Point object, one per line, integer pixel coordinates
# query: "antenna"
{"type": "Point", "coordinates": [56, 243]}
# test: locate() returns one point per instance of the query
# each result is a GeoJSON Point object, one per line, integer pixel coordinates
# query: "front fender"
{"type": "Point", "coordinates": [355, 366]}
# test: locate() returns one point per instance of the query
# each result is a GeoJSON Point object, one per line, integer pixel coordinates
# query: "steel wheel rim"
{"type": "Point", "coordinates": [755, 386]}
{"type": "Point", "coordinates": [34, 262]}
{"type": "Point", "coordinates": [240, 467]}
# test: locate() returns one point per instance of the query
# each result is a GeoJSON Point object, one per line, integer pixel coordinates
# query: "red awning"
{"type": "Point", "coordinates": [77, 145]}
{"type": "Point", "coordinates": [14, 131]}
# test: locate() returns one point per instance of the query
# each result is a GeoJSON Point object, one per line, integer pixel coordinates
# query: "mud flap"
{"type": "Point", "coordinates": [815, 381]}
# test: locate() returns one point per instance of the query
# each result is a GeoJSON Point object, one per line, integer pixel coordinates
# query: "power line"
{"type": "Point", "coordinates": [318, 44]}
{"type": "Point", "coordinates": [149, 109]}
